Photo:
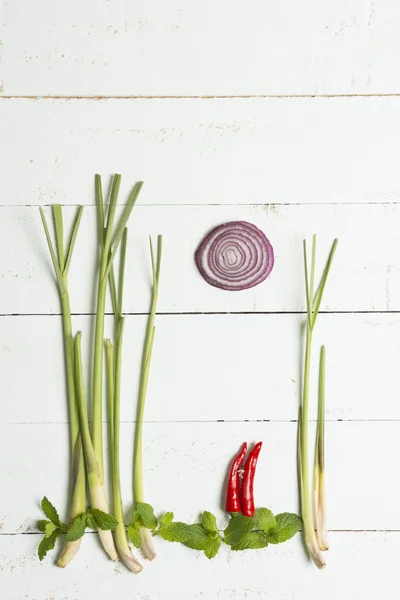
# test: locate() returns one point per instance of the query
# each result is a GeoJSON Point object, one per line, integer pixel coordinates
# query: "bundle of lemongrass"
{"type": "Point", "coordinates": [87, 444]}
{"type": "Point", "coordinates": [313, 511]}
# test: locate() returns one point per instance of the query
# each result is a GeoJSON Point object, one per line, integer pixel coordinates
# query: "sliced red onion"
{"type": "Point", "coordinates": [235, 256]}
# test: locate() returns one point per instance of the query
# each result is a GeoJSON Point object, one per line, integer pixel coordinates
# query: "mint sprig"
{"type": "Point", "coordinates": [53, 527]}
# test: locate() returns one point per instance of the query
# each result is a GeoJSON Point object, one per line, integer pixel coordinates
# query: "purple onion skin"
{"type": "Point", "coordinates": [235, 256]}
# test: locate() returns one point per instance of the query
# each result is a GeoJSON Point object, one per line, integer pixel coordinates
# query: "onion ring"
{"type": "Point", "coordinates": [235, 256]}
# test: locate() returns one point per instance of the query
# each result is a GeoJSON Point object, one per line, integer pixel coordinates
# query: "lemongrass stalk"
{"type": "Point", "coordinates": [114, 403]}
{"type": "Point", "coordinates": [93, 470]}
{"type": "Point", "coordinates": [313, 305]}
{"type": "Point", "coordinates": [147, 540]}
{"type": "Point", "coordinates": [110, 238]}
{"type": "Point", "coordinates": [120, 537]}
{"type": "Point", "coordinates": [61, 262]}
{"type": "Point", "coordinates": [319, 462]}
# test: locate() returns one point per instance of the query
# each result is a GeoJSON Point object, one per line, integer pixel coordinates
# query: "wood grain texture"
{"type": "Point", "coordinates": [185, 465]}
{"type": "Point", "coordinates": [365, 274]}
{"type": "Point", "coordinates": [357, 561]}
{"type": "Point", "coordinates": [187, 48]}
{"type": "Point", "coordinates": [212, 367]}
{"type": "Point", "coordinates": [193, 151]}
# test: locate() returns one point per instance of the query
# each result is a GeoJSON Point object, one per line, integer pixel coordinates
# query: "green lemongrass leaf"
{"type": "Point", "coordinates": [59, 227]}
{"type": "Point", "coordinates": [103, 520]}
{"type": "Point", "coordinates": [134, 536]}
{"type": "Point", "coordinates": [115, 185]}
{"type": "Point", "coordinates": [41, 525]}
{"type": "Point", "coordinates": [319, 495]}
{"type": "Point", "coordinates": [312, 273]}
{"type": "Point", "coordinates": [209, 522]}
{"type": "Point", "coordinates": [167, 518]}
{"type": "Point", "coordinates": [252, 541]}
{"type": "Point", "coordinates": [175, 532]}
{"type": "Point", "coordinates": [265, 519]}
{"type": "Point", "coordinates": [48, 543]}
{"type": "Point", "coordinates": [287, 525]}
{"type": "Point", "coordinates": [159, 257]}
{"type": "Point", "coordinates": [153, 261]}
{"type": "Point", "coordinates": [198, 538]}
{"type": "Point", "coordinates": [76, 529]}
{"type": "Point", "coordinates": [147, 516]}
{"type": "Point", "coordinates": [122, 224]}
{"type": "Point", "coordinates": [307, 284]}
{"type": "Point", "coordinates": [322, 285]}
{"type": "Point", "coordinates": [213, 547]}
{"type": "Point", "coordinates": [72, 240]}
{"type": "Point", "coordinates": [100, 207]}
{"type": "Point", "coordinates": [121, 278]}
{"type": "Point", "coordinates": [53, 255]}
{"type": "Point", "coordinates": [50, 511]}
{"type": "Point", "coordinates": [113, 294]}
{"type": "Point", "coordinates": [237, 528]}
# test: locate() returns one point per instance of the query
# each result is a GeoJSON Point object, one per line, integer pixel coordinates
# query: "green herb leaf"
{"type": "Point", "coordinates": [252, 541]}
{"type": "Point", "coordinates": [41, 525]}
{"type": "Point", "coordinates": [50, 527]}
{"type": "Point", "coordinates": [134, 536]}
{"type": "Point", "coordinates": [77, 528]}
{"type": "Point", "coordinates": [147, 516]}
{"type": "Point", "coordinates": [265, 519]}
{"type": "Point", "coordinates": [102, 519]}
{"type": "Point", "coordinates": [90, 521]}
{"type": "Point", "coordinates": [48, 543]}
{"type": "Point", "coordinates": [209, 522]}
{"type": "Point", "coordinates": [175, 532]}
{"type": "Point", "coordinates": [50, 511]}
{"type": "Point", "coordinates": [213, 546]}
{"type": "Point", "coordinates": [237, 528]}
{"type": "Point", "coordinates": [287, 525]}
{"type": "Point", "coordinates": [167, 518]}
{"type": "Point", "coordinates": [198, 537]}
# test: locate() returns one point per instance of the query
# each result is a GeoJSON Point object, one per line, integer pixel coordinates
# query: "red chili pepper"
{"type": "Point", "coordinates": [232, 504]}
{"type": "Point", "coordinates": [247, 494]}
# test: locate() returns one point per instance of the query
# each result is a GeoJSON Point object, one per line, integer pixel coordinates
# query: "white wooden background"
{"type": "Point", "coordinates": [286, 114]}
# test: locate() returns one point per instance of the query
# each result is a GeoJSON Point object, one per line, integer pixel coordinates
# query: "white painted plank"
{"type": "Point", "coordinates": [365, 274]}
{"type": "Point", "coordinates": [359, 565]}
{"type": "Point", "coordinates": [207, 48]}
{"type": "Point", "coordinates": [212, 367]}
{"type": "Point", "coordinates": [275, 150]}
{"type": "Point", "coordinates": [185, 466]}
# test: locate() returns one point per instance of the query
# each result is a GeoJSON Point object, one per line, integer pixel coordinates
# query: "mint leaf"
{"type": "Point", "coordinates": [50, 527]}
{"type": "Point", "coordinates": [198, 537]}
{"type": "Point", "coordinates": [287, 525]}
{"type": "Point", "coordinates": [90, 521]}
{"type": "Point", "coordinates": [147, 516]}
{"type": "Point", "coordinates": [209, 522]}
{"type": "Point", "coordinates": [41, 525]}
{"type": "Point", "coordinates": [76, 529]}
{"type": "Point", "coordinates": [48, 543]}
{"type": "Point", "coordinates": [50, 511]}
{"type": "Point", "coordinates": [134, 536]}
{"type": "Point", "coordinates": [167, 518]}
{"type": "Point", "coordinates": [175, 532]}
{"type": "Point", "coordinates": [265, 519]}
{"type": "Point", "coordinates": [251, 541]}
{"type": "Point", "coordinates": [102, 519]}
{"type": "Point", "coordinates": [237, 528]}
{"type": "Point", "coordinates": [212, 548]}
